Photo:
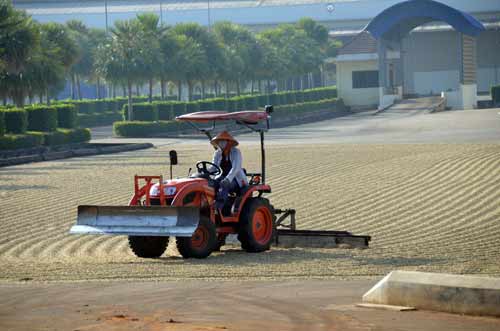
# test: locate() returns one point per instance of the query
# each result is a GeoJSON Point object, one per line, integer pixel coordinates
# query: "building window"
{"type": "Point", "coordinates": [365, 79]}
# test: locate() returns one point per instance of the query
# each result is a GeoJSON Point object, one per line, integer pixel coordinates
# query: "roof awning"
{"type": "Point", "coordinates": [248, 117]}
{"type": "Point", "coordinates": [397, 21]}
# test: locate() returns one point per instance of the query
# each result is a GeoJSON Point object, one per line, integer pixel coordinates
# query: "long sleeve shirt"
{"type": "Point", "coordinates": [236, 163]}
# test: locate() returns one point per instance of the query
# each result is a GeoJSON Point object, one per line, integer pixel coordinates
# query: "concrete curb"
{"type": "Point", "coordinates": [458, 294]}
{"type": "Point", "coordinates": [93, 149]}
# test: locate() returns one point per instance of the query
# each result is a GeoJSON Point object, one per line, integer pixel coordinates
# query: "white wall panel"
{"type": "Point", "coordinates": [435, 82]}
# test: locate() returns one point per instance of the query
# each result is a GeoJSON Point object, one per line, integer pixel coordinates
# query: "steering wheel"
{"type": "Point", "coordinates": [202, 167]}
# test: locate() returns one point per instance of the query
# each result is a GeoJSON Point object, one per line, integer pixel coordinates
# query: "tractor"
{"type": "Point", "coordinates": [184, 208]}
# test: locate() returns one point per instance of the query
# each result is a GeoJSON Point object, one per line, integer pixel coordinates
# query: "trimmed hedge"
{"type": "Point", "coordinates": [206, 104]}
{"type": "Point", "coordinates": [66, 136]}
{"type": "Point", "coordinates": [495, 95]}
{"type": "Point", "coordinates": [231, 104]}
{"type": "Point", "coordinates": [219, 104]}
{"type": "Point", "coordinates": [179, 108]}
{"type": "Point", "coordinates": [192, 107]}
{"type": "Point", "coordinates": [142, 112]}
{"type": "Point", "coordinates": [93, 120]}
{"type": "Point", "coordinates": [263, 100]}
{"type": "Point", "coordinates": [15, 141]}
{"type": "Point", "coordinates": [35, 139]}
{"type": "Point", "coordinates": [145, 129]}
{"type": "Point", "coordinates": [165, 110]}
{"type": "Point", "coordinates": [250, 102]}
{"type": "Point", "coordinates": [274, 99]}
{"type": "Point", "coordinates": [16, 120]}
{"type": "Point", "coordinates": [148, 129]}
{"type": "Point", "coordinates": [2, 123]}
{"type": "Point", "coordinates": [66, 116]}
{"type": "Point", "coordinates": [42, 118]}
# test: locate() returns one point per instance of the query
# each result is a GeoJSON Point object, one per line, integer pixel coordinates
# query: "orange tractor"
{"type": "Point", "coordinates": [185, 209]}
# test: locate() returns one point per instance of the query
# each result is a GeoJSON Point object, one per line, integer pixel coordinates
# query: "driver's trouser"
{"type": "Point", "coordinates": [223, 193]}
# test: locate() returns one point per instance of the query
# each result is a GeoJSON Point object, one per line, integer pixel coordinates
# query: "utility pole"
{"type": "Point", "coordinates": [208, 13]}
{"type": "Point", "coordinates": [161, 12]}
{"type": "Point", "coordinates": [106, 14]}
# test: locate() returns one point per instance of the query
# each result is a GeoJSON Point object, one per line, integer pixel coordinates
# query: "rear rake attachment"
{"type": "Point", "coordinates": [288, 236]}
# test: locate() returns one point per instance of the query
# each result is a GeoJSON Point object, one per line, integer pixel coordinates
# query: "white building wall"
{"type": "Point", "coordinates": [363, 97]}
{"type": "Point", "coordinates": [431, 62]}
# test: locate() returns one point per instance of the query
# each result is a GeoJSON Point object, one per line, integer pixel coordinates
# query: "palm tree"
{"type": "Point", "coordinates": [125, 56]}
{"type": "Point", "coordinates": [153, 31]}
{"type": "Point", "coordinates": [19, 37]}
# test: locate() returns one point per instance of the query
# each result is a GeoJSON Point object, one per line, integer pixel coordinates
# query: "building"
{"type": "Point", "coordinates": [403, 52]}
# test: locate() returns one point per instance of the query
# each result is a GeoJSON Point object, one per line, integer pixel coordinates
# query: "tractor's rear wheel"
{"type": "Point", "coordinates": [257, 225]}
{"type": "Point", "coordinates": [201, 244]}
{"type": "Point", "coordinates": [148, 247]}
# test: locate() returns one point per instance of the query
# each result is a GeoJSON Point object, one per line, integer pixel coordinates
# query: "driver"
{"type": "Point", "coordinates": [228, 158]}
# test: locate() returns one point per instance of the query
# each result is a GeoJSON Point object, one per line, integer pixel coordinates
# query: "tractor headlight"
{"type": "Point", "coordinates": [170, 190]}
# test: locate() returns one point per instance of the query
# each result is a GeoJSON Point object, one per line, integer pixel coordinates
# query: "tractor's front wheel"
{"type": "Point", "coordinates": [148, 247]}
{"type": "Point", "coordinates": [257, 223]}
{"type": "Point", "coordinates": [201, 244]}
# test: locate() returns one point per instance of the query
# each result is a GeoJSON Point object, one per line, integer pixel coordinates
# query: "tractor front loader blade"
{"type": "Point", "coordinates": [137, 220]}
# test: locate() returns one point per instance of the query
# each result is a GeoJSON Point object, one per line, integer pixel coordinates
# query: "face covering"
{"type": "Point", "coordinates": [222, 144]}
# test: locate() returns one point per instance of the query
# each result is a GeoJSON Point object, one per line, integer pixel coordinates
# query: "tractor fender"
{"type": "Point", "coordinates": [249, 192]}
{"type": "Point", "coordinates": [194, 187]}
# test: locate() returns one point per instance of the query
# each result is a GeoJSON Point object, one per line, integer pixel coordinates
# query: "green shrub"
{"type": "Point", "coordinates": [165, 110]}
{"type": "Point", "coordinates": [144, 129]}
{"type": "Point", "coordinates": [283, 98]}
{"type": "Point", "coordinates": [240, 103]}
{"type": "Point", "coordinates": [16, 120]}
{"type": "Point", "coordinates": [2, 122]}
{"type": "Point", "coordinates": [86, 106]}
{"type": "Point", "coordinates": [231, 104]}
{"type": "Point", "coordinates": [66, 136]}
{"type": "Point", "coordinates": [142, 112]}
{"type": "Point", "coordinates": [102, 119]}
{"type": "Point", "coordinates": [495, 95]}
{"type": "Point", "coordinates": [179, 108]}
{"type": "Point", "coordinates": [206, 104]}
{"type": "Point", "coordinates": [66, 116]}
{"type": "Point", "coordinates": [299, 96]}
{"type": "Point", "coordinates": [290, 98]}
{"type": "Point", "coordinates": [139, 99]}
{"type": "Point", "coordinates": [100, 106]}
{"type": "Point", "coordinates": [42, 118]}
{"type": "Point", "coordinates": [219, 104]}
{"type": "Point", "coordinates": [250, 102]}
{"type": "Point", "coordinates": [263, 100]}
{"type": "Point", "coordinates": [29, 140]}
{"type": "Point", "coordinates": [192, 107]}
{"type": "Point", "coordinates": [274, 99]}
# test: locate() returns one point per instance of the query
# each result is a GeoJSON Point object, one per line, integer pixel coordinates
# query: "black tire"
{"type": "Point", "coordinates": [201, 244]}
{"type": "Point", "coordinates": [148, 247]}
{"type": "Point", "coordinates": [250, 240]}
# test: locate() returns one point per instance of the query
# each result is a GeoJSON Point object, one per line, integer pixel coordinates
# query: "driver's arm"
{"type": "Point", "coordinates": [236, 164]}
{"type": "Point", "coordinates": [216, 160]}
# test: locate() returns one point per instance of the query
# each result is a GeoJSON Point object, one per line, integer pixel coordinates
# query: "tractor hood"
{"type": "Point", "coordinates": [172, 186]}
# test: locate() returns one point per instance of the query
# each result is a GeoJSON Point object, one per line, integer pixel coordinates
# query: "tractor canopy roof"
{"type": "Point", "coordinates": [247, 117]}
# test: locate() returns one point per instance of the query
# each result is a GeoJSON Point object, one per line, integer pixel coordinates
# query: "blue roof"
{"type": "Point", "coordinates": [397, 21]}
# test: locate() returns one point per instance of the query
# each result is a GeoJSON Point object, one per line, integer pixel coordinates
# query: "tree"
{"type": "Point", "coordinates": [243, 52]}
{"type": "Point", "coordinates": [149, 24]}
{"type": "Point", "coordinates": [19, 37]}
{"type": "Point", "coordinates": [125, 56]}
{"type": "Point", "coordinates": [214, 55]}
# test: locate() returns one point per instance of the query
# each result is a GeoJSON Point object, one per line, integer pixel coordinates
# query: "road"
{"type": "Point", "coordinates": [197, 305]}
{"type": "Point", "coordinates": [393, 126]}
